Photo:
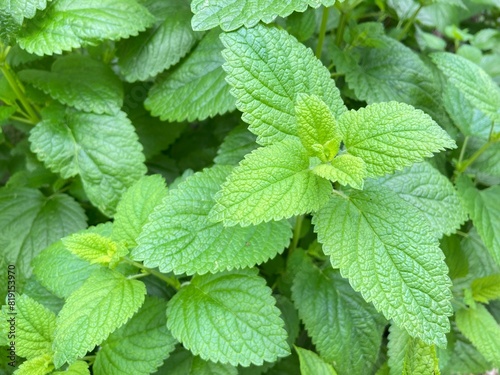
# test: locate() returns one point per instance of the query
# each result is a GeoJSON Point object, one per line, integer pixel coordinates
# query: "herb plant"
{"type": "Point", "coordinates": [241, 187]}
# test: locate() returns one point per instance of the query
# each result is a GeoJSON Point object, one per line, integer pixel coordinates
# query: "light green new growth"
{"type": "Point", "coordinates": [387, 250]}
{"type": "Point", "coordinates": [179, 236]}
{"type": "Point", "coordinates": [390, 136]}
{"type": "Point", "coordinates": [95, 248]}
{"type": "Point", "coordinates": [312, 364]}
{"type": "Point", "coordinates": [77, 368]}
{"type": "Point", "coordinates": [41, 365]}
{"type": "Point", "coordinates": [266, 90]}
{"type": "Point", "coordinates": [69, 24]}
{"type": "Point", "coordinates": [232, 14]}
{"type": "Point", "coordinates": [346, 169]}
{"type": "Point", "coordinates": [271, 183]}
{"type": "Point", "coordinates": [104, 302]}
{"type": "Point", "coordinates": [228, 317]}
{"type": "Point", "coordinates": [486, 288]}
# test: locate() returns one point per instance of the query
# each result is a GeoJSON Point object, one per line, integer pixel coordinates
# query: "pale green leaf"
{"type": "Point", "coordinates": [271, 183]}
{"type": "Point", "coordinates": [104, 302]}
{"type": "Point", "coordinates": [346, 169]}
{"type": "Point", "coordinates": [430, 192]}
{"type": "Point", "coordinates": [80, 82]}
{"type": "Point", "coordinates": [390, 136]}
{"type": "Point", "coordinates": [68, 24]}
{"type": "Point", "coordinates": [194, 89]}
{"type": "Point", "coordinates": [232, 14]}
{"type": "Point", "coordinates": [387, 250]}
{"type": "Point", "coordinates": [183, 362]}
{"type": "Point", "coordinates": [161, 46]}
{"type": "Point", "coordinates": [77, 368]}
{"type": "Point", "coordinates": [138, 347]}
{"type": "Point", "coordinates": [179, 237]}
{"type": "Point", "coordinates": [267, 68]}
{"type": "Point", "coordinates": [29, 222]}
{"type": "Point", "coordinates": [137, 203]}
{"type": "Point", "coordinates": [40, 365]}
{"type": "Point", "coordinates": [235, 146]}
{"type": "Point", "coordinates": [102, 149]}
{"type": "Point", "coordinates": [228, 317]}
{"type": "Point", "coordinates": [95, 248]}
{"type": "Point", "coordinates": [345, 329]}
{"type": "Point", "coordinates": [486, 288]}
{"type": "Point", "coordinates": [482, 330]}
{"type": "Point", "coordinates": [472, 81]}
{"type": "Point", "coordinates": [312, 364]}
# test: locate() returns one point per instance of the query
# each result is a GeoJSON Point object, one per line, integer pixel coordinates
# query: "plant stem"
{"type": "Point", "coordinates": [462, 151]}
{"type": "Point", "coordinates": [23, 120]}
{"type": "Point", "coordinates": [322, 32]}
{"type": "Point", "coordinates": [462, 167]}
{"type": "Point", "coordinates": [410, 22]}
{"type": "Point", "coordinates": [340, 30]}
{"type": "Point", "coordinates": [296, 232]}
{"type": "Point", "coordinates": [172, 281]}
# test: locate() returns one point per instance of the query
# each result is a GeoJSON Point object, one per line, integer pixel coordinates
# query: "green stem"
{"type": "Point", "coordinates": [23, 120]}
{"type": "Point", "coordinates": [462, 151]}
{"type": "Point", "coordinates": [172, 281]}
{"type": "Point", "coordinates": [410, 22]}
{"type": "Point", "coordinates": [340, 30]}
{"type": "Point", "coordinates": [296, 232]}
{"type": "Point", "coordinates": [322, 32]}
{"type": "Point", "coordinates": [462, 167]}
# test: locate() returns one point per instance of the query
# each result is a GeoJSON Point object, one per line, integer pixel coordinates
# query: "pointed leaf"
{"type": "Point", "coordinates": [95, 248]}
{"type": "Point", "coordinates": [312, 364]}
{"type": "Point", "coordinates": [486, 288]}
{"type": "Point", "coordinates": [346, 169]}
{"type": "Point", "coordinates": [77, 368]}
{"type": "Point", "coordinates": [41, 365]}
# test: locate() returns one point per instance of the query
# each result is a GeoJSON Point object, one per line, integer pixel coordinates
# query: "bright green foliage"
{"type": "Point", "coordinates": [387, 250]}
{"type": "Point", "coordinates": [433, 194]}
{"type": "Point", "coordinates": [102, 149]}
{"type": "Point", "coordinates": [271, 183]}
{"type": "Point", "coordinates": [346, 169]}
{"type": "Point", "coordinates": [236, 145]}
{"type": "Point", "coordinates": [390, 136]}
{"type": "Point", "coordinates": [13, 13]}
{"type": "Point", "coordinates": [482, 330]}
{"type": "Point", "coordinates": [228, 317]}
{"type": "Point", "coordinates": [312, 364]}
{"type": "Point", "coordinates": [139, 346]}
{"type": "Point", "coordinates": [80, 82]}
{"type": "Point", "coordinates": [472, 81]}
{"type": "Point", "coordinates": [196, 89]}
{"type": "Point", "coordinates": [103, 303]}
{"type": "Point", "coordinates": [40, 365]}
{"type": "Point", "coordinates": [409, 355]}
{"type": "Point", "coordinates": [345, 329]}
{"type": "Point", "coordinates": [182, 362]}
{"type": "Point", "coordinates": [180, 237]}
{"type": "Point", "coordinates": [95, 248]}
{"type": "Point", "coordinates": [231, 14]}
{"type": "Point", "coordinates": [486, 288]}
{"type": "Point", "coordinates": [68, 24]}
{"type": "Point", "coordinates": [266, 91]}
{"type": "Point", "coordinates": [77, 368]}
{"type": "Point", "coordinates": [162, 45]}
{"type": "Point", "coordinates": [29, 222]}
{"type": "Point", "coordinates": [137, 203]}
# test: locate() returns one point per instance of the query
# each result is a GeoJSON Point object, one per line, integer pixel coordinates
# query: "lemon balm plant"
{"type": "Point", "coordinates": [236, 187]}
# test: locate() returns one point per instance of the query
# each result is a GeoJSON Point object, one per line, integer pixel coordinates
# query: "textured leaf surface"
{"type": "Point", "coordinates": [161, 46]}
{"type": "Point", "coordinates": [486, 288]}
{"type": "Point", "coordinates": [103, 303]}
{"type": "Point", "coordinates": [425, 188]}
{"type": "Point", "coordinates": [77, 368]}
{"type": "Point", "coordinates": [95, 248]}
{"type": "Point", "coordinates": [183, 362]}
{"type": "Point", "coordinates": [80, 82]}
{"type": "Point", "coordinates": [345, 329]}
{"type": "Point", "coordinates": [102, 149]}
{"type": "Point", "coordinates": [482, 330]}
{"type": "Point", "coordinates": [232, 14]}
{"type": "Point", "coordinates": [346, 169]}
{"type": "Point", "coordinates": [267, 68]}
{"type": "Point", "coordinates": [13, 13]}
{"type": "Point", "coordinates": [228, 317]}
{"type": "Point", "coordinates": [387, 250]}
{"type": "Point", "coordinates": [40, 365]}
{"type": "Point", "coordinates": [271, 183]}
{"type": "Point", "coordinates": [179, 237]}
{"type": "Point", "coordinates": [194, 89]}
{"type": "Point", "coordinates": [390, 136]}
{"type": "Point", "coordinates": [138, 347]}
{"type": "Point", "coordinates": [312, 364]}
{"type": "Point", "coordinates": [68, 24]}
{"type": "Point", "coordinates": [235, 146]}
{"type": "Point", "coordinates": [29, 222]}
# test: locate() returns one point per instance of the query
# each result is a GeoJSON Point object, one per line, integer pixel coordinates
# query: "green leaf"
{"type": "Point", "coordinates": [431, 193]}
{"type": "Point", "coordinates": [137, 203]}
{"type": "Point", "coordinates": [179, 237]}
{"type": "Point", "coordinates": [228, 317]}
{"type": "Point", "coordinates": [481, 263]}
{"type": "Point", "coordinates": [271, 183]}
{"type": "Point", "coordinates": [232, 14]}
{"type": "Point", "coordinates": [29, 222]}
{"type": "Point", "coordinates": [67, 24]}
{"type": "Point", "coordinates": [195, 88]}
{"type": "Point", "coordinates": [482, 206]}
{"type": "Point", "coordinates": [104, 302]}
{"type": "Point", "coordinates": [409, 355]}
{"type": "Point", "coordinates": [80, 82]}
{"type": "Point", "coordinates": [482, 330]}
{"type": "Point", "coordinates": [312, 364]}
{"type": "Point", "coordinates": [387, 250]}
{"type": "Point", "coordinates": [486, 288]}
{"type": "Point", "coordinates": [390, 136]}
{"type": "Point", "coordinates": [41, 365]}
{"type": "Point", "coordinates": [235, 146]}
{"type": "Point", "coordinates": [345, 329]}
{"type": "Point", "coordinates": [472, 81]}
{"type": "Point", "coordinates": [267, 68]}
{"type": "Point", "coordinates": [13, 14]}
{"type": "Point", "coordinates": [102, 149]}
{"type": "Point", "coordinates": [77, 368]}
{"type": "Point", "coordinates": [95, 248]}
{"type": "Point", "coordinates": [161, 46]}
{"type": "Point", "coordinates": [138, 347]}
{"type": "Point", "coordinates": [346, 169]}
